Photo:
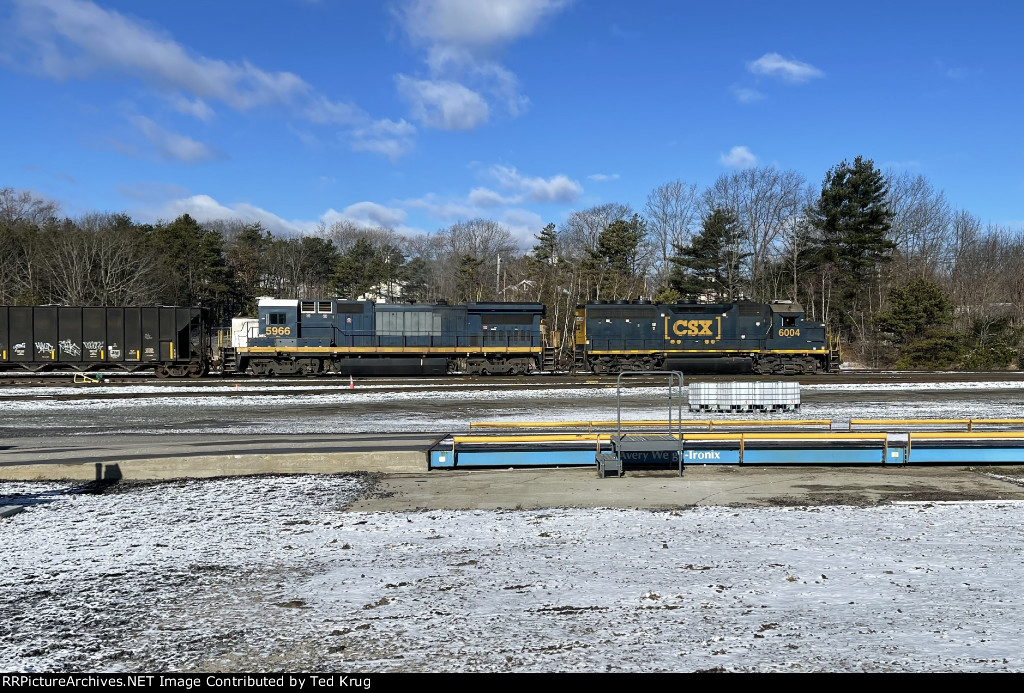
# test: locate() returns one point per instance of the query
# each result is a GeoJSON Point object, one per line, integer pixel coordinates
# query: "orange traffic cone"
{"type": "Point", "coordinates": [351, 383]}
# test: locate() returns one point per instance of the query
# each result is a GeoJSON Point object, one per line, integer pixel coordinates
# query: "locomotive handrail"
{"type": "Point", "coordinates": [370, 338]}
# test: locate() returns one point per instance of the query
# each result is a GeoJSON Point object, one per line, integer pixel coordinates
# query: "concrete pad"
{"type": "Point", "coordinates": [201, 466]}
{"type": "Point", "coordinates": [700, 485]}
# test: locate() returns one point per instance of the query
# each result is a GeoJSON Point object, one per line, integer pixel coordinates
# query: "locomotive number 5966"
{"type": "Point", "coordinates": [278, 331]}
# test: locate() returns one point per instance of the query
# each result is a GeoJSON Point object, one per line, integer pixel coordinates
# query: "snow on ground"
{"type": "Point", "coordinates": [271, 574]}
{"type": "Point", "coordinates": [450, 409]}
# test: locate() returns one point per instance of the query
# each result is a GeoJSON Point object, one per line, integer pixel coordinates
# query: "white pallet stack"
{"type": "Point", "coordinates": [744, 395]}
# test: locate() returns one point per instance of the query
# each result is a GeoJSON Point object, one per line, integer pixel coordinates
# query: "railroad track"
{"type": "Point", "coordinates": [331, 383]}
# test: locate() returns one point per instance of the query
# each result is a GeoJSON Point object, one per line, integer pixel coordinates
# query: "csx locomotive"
{"type": "Point", "coordinates": [301, 337]}
{"type": "Point", "coordinates": [773, 338]}
{"type": "Point", "coordinates": [313, 337]}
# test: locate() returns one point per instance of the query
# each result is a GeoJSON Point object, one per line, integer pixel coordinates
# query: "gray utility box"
{"type": "Point", "coordinates": [745, 395]}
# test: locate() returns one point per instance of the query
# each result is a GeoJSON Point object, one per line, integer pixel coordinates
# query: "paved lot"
{"type": "Point", "coordinates": [699, 485]}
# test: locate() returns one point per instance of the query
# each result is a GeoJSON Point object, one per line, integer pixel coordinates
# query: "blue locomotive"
{"type": "Point", "coordinates": [773, 338]}
{"type": "Point", "coordinates": [310, 337]}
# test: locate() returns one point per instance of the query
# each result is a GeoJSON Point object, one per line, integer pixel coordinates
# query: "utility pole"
{"type": "Point", "coordinates": [497, 281]}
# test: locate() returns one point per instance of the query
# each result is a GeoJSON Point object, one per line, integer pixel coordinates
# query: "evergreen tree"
{"type": "Point", "coordinates": [191, 264]}
{"type": "Point", "coordinates": [615, 264]}
{"type": "Point", "coordinates": [356, 271]}
{"type": "Point", "coordinates": [541, 263]}
{"type": "Point", "coordinates": [414, 277]}
{"type": "Point", "coordinates": [546, 250]}
{"type": "Point", "coordinates": [247, 262]}
{"type": "Point", "coordinates": [914, 310]}
{"type": "Point", "coordinates": [710, 266]}
{"type": "Point", "coordinates": [852, 220]}
{"type": "Point", "coordinates": [469, 284]}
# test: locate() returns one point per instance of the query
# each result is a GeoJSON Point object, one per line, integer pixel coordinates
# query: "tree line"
{"type": "Point", "coordinates": [896, 272]}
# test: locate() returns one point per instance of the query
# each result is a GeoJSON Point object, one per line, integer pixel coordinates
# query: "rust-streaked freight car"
{"type": "Point", "coordinates": [172, 341]}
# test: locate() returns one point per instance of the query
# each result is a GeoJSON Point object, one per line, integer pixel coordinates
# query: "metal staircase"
{"type": "Point", "coordinates": [646, 448]}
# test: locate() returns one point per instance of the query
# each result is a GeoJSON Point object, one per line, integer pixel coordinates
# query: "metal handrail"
{"type": "Point", "coordinates": [673, 377]}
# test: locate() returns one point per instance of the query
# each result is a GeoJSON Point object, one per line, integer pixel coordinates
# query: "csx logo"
{"type": "Point", "coordinates": [692, 328]}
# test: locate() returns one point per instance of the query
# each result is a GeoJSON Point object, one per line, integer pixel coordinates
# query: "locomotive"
{"type": "Point", "coordinates": [744, 336]}
{"type": "Point", "coordinates": [314, 337]}
{"type": "Point", "coordinates": [302, 337]}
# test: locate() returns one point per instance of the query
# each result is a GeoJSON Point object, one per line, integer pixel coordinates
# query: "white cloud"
{"type": "Point", "coordinates": [956, 73]}
{"type": "Point", "coordinates": [746, 94]}
{"type": "Point", "coordinates": [524, 225]}
{"type": "Point", "coordinates": [603, 177]}
{"type": "Point", "coordinates": [65, 39]}
{"type": "Point", "coordinates": [205, 208]}
{"type": "Point", "coordinates": [440, 209]}
{"type": "Point", "coordinates": [196, 108]}
{"type": "Point", "coordinates": [738, 157]}
{"type": "Point", "coordinates": [367, 214]}
{"type": "Point", "coordinates": [475, 24]}
{"type": "Point", "coordinates": [170, 145]}
{"type": "Point", "coordinates": [444, 105]}
{"type": "Point", "coordinates": [774, 65]}
{"type": "Point", "coordinates": [323, 111]}
{"type": "Point", "coordinates": [459, 37]}
{"type": "Point", "coordinates": [555, 189]}
{"type": "Point", "coordinates": [75, 38]}
{"type": "Point", "coordinates": [388, 137]}
{"type": "Point", "coordinates": [485, 197]}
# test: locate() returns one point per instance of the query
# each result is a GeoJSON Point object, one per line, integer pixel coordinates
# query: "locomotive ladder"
{"type": "Point", "coordinates": [548, 359]}
{"type": "Point", "coordinates": [835, 353]}
{"type": "Point", "coordinates": [646, 449]}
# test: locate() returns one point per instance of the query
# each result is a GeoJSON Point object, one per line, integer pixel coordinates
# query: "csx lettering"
{"type": "Point", "coordinates": [692, 328]}
{"type": "Point", "coordinates": [278, 331]}
{"type": "Point", "coordinates": [789, 332]}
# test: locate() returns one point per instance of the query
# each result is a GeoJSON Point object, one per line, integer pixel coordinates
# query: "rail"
{"type": "Point", "coordinates": [969, 423]}
{"type": "Point", "coordinates": [710, 425]}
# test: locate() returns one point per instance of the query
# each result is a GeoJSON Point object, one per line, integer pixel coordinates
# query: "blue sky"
{"type": "Point", "coordinates": [415, 114]}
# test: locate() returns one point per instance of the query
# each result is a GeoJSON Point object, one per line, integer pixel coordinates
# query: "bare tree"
{"type": "Point", "coordinates": [766, 201]}
{"type": "Point", "coordinates": [672, 211]}
{"type": "Point", "coordinates": [102, 259]}
{"type": "Point", "coordinates": [921, 224]}
{"type": "Point", "coordinates": [26, 207]}
{"type": "Point", "coordinates": [579, 234]}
